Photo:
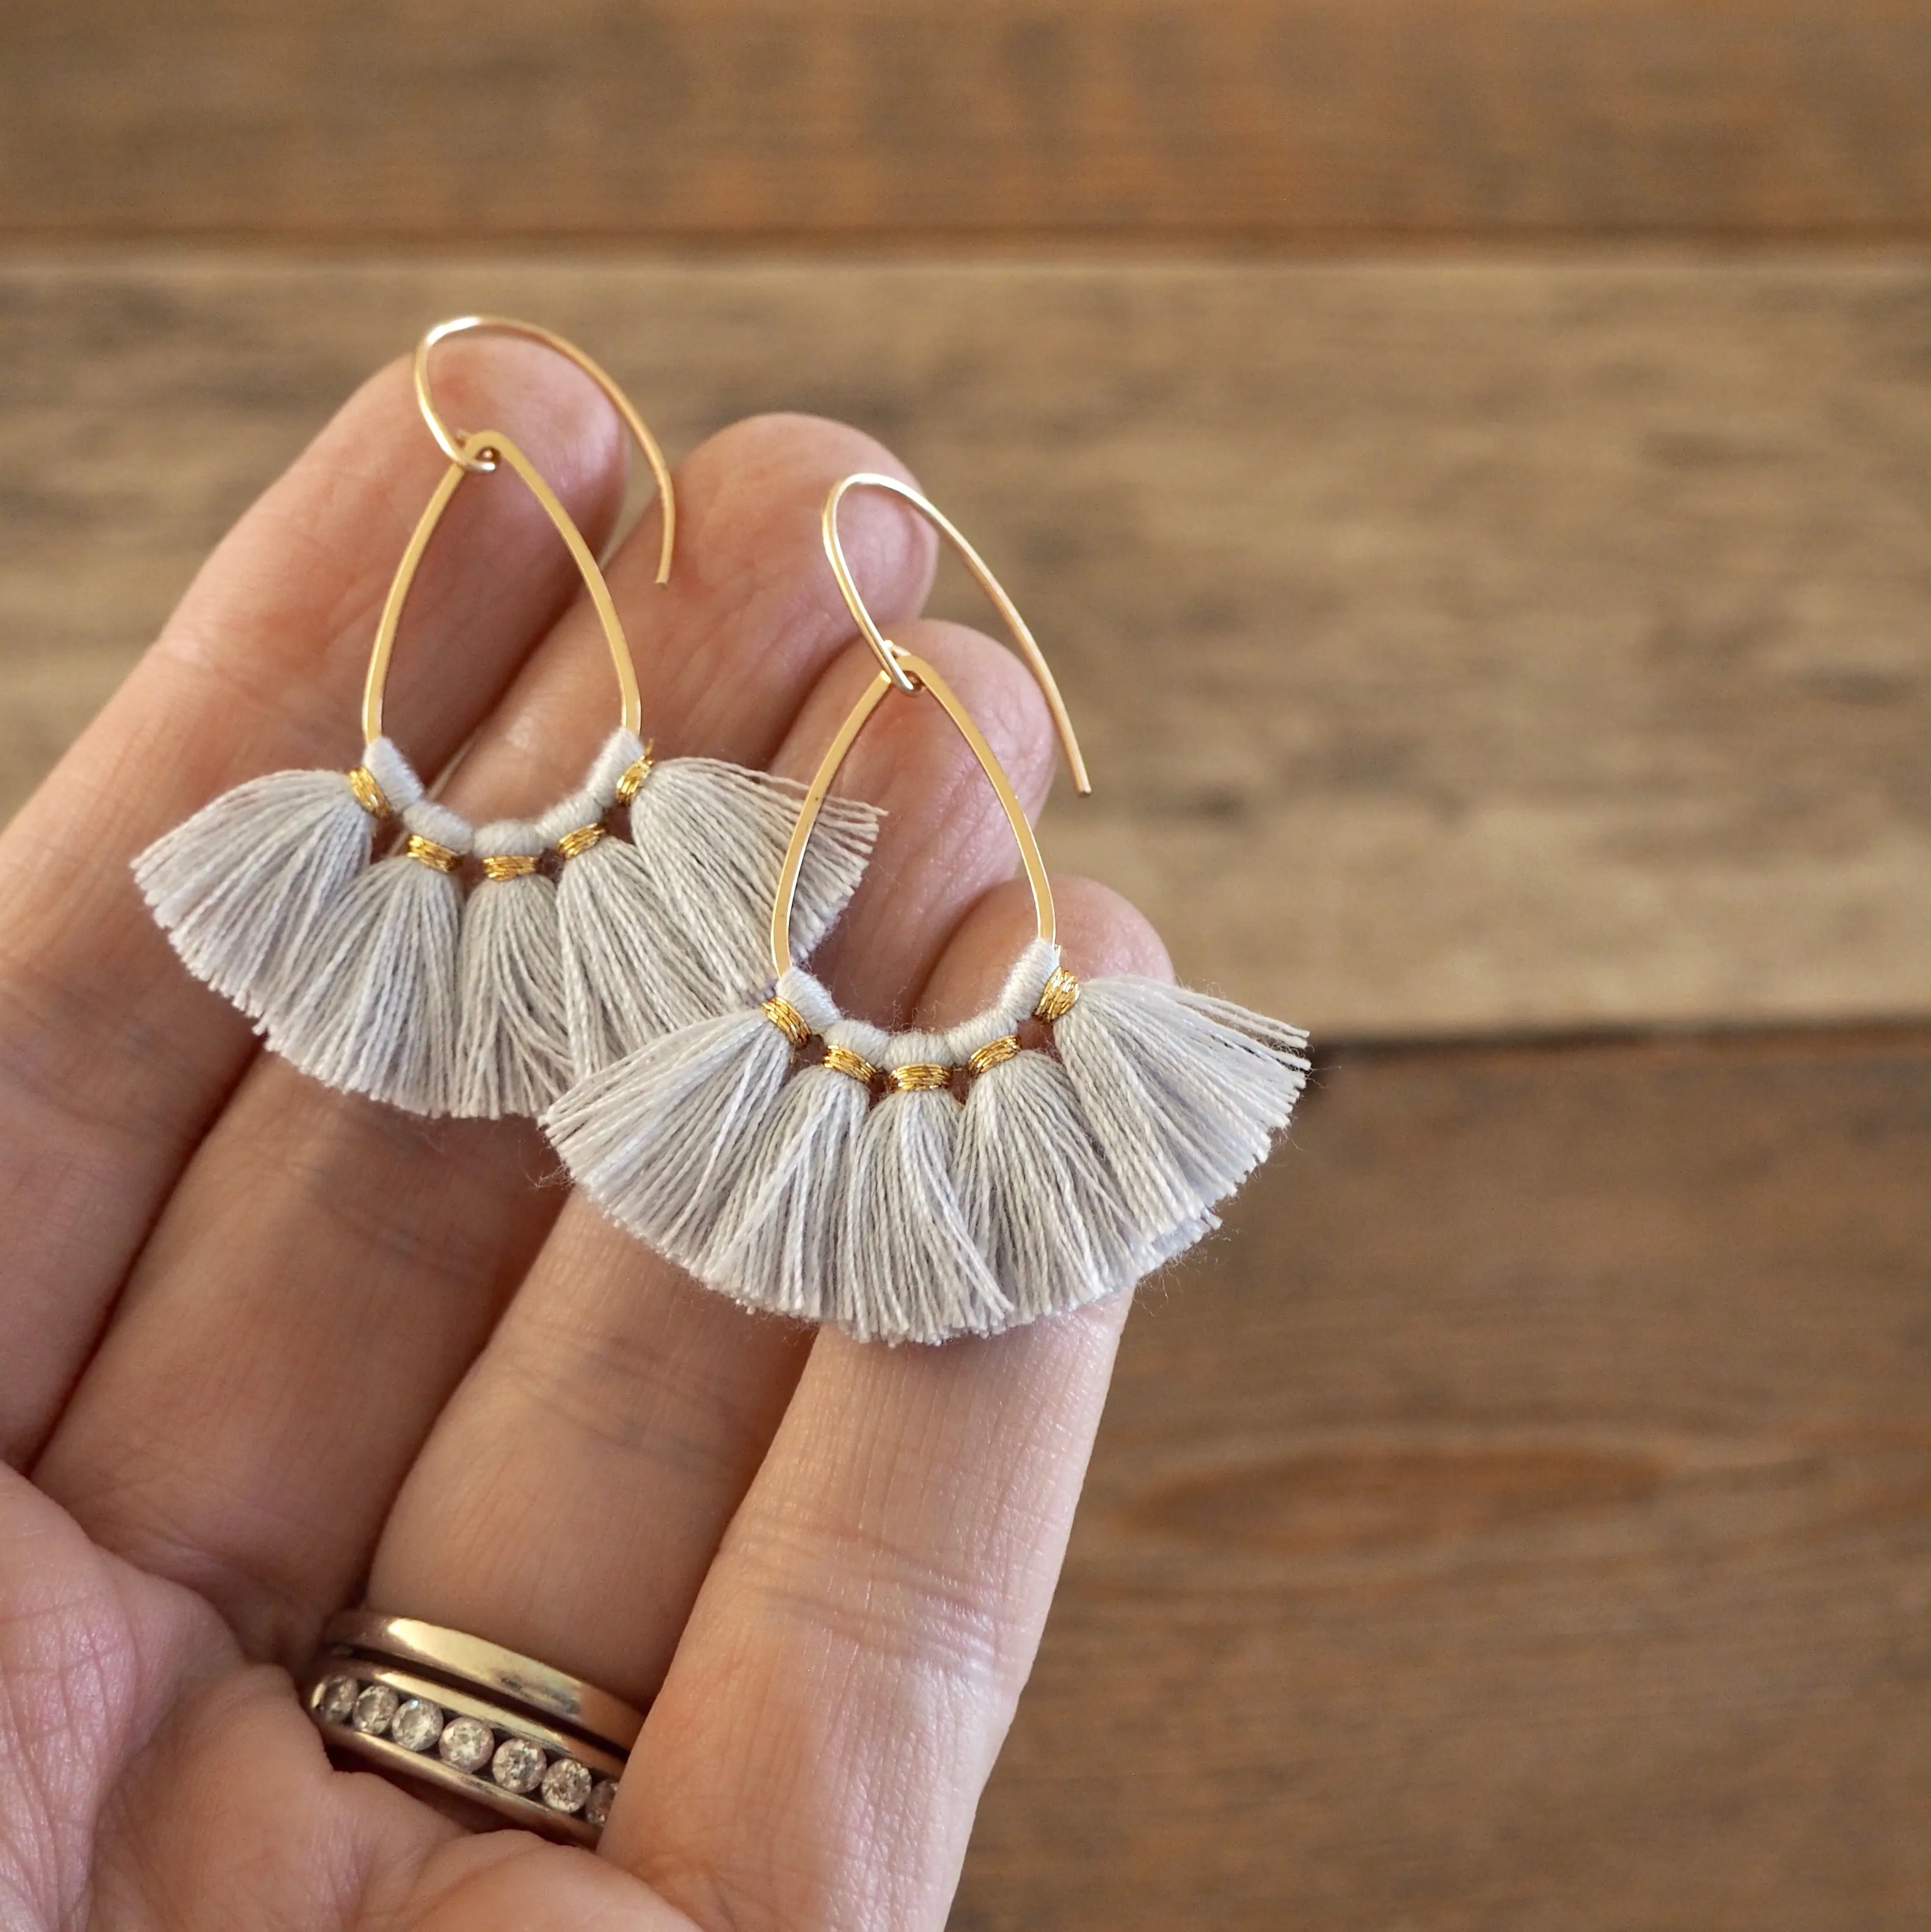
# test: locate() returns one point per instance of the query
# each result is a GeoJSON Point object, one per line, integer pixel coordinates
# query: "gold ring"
{"type": "Point", "coordinates": [534, 1743]}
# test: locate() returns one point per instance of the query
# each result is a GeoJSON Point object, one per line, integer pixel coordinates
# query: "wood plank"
{"type": "Point", "coordinates": [1524, 1519]}
{"type": "Point", "coordinates": [1266, 120]}
{"type": "Point", "coordinates": [1459, 646]}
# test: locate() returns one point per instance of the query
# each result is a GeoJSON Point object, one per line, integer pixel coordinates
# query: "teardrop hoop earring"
{"type": "Point", "coordinates": [1055, 1148]}
{"type": "Point", "coordinates": [573, 947]}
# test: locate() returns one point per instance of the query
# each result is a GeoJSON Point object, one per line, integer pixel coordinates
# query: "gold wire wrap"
{"type": "Point", "coordinates": [574, 844]}
{"type": "Point", "coordinates": [426, 851]}
{"type": "Point", "coordinates": [632, 783]}
{"type": "Point", "coordinates": [993, 1053]}
{"type": "Point", "coordinates": [854, 1065]}
{"type": "Point", "coordinates": [920, 1077]}
{"type": "Point", "coordinates": [788, 1019]}
{"type": "Point", "coordinates": [1058, 997]}
{"type": "Point", "coordinates": [369, 795]}
{"type": "Point", "coordinates": [508, 866]}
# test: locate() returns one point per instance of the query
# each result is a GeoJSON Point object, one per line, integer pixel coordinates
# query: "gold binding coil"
{"type": "Point", "coordinates": [1058, 997]}
{"type": "Point", "coordinates": [632, 783]}
{"type": "Point", "coordinates": [993, 1053]}
{"type": "Point", "coordinates": [369, 795]}
{"type": "Point", "coordinates": [920, 1077]}
{"type": "Point", "coordinates": [854, 1066]}
{"type": "Point", "coordinates": [788, 1019]}
{"type": "Point", "coordinates": [574, 844]}
{"type": "Point", "coordinates": [426, 851]}
{"type": "Point", "coordinates": [508, 866]}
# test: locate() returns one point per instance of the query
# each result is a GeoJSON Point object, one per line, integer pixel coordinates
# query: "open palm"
{"type": "Point", "coordinates": [266, 1350]}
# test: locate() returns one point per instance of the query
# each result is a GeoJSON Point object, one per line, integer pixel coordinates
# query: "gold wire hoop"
{"type": "Point", "coordinates": [467, 460]}
{"type": "Point", "coordinates": [902, 671]}
{"type": "Point", "coordinates": [466, 448]}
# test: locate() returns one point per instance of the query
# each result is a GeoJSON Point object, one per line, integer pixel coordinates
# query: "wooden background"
{"type": "Point", "coordinates": [1471, 461]}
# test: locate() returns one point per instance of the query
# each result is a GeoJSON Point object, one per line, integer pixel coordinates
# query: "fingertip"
{"type": "Point", "coordinates": [557, 414]}
{"type": "Point", "coordinates": [1100, 933]}
{"type": "Point", "coordinates": [755, 491]}
{"type": "Point", "coordinates": [1000, 695]}
{"type": "Point", "coordinates": [554, 413]}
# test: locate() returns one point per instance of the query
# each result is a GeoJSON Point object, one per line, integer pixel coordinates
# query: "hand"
{"type": "Point", "coordinates": [269, 1350]}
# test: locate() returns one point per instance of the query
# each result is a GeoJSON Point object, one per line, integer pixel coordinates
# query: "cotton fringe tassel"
{"type": "Point", "coordinates": [514, 1050]}
{"type": "Point", "coordinates": [1067, 1175]}
{"type": "Point", "coordinates": [659, 1139]}
{"type": "Point", "coordinates": [907, 1264]}
{"type": "Point", "coordinates": [635, 964]}
{"type": "Point", "coordinates": [714, 836]}
{"type": "Point", "coordinates": [625, 982]}
{"type": "Point", "coordinates": [379, 1014]}
{"type": "Point", "coordinates": [780, 1239]}
{"type": "Point", "coordinates": [1040, 1199]}
{"type": "Point", "coordinates": [243, 887]}
{"type": "Point", "coordinates": [1183, 1093]}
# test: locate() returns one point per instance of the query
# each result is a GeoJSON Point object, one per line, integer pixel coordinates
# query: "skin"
{"type": "Point", "coordinates": [269, 1350]}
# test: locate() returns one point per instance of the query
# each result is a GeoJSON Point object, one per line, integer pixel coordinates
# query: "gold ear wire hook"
{"type": "Point", "coordinates": [900, 670]}
{"type": "Point", "coordinates": [470, 451]}
{"type": "Point", "coordinates": [892, 659]}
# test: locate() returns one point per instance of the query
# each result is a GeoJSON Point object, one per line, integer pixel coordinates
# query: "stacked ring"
{"type": "Point", "coordinates": [536, 1745]}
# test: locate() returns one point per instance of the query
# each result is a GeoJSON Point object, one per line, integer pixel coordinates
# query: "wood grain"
{"type": "Point", "coordinates": [1523, 1520]}
{"type": "Point", "coordinates": [1459, 646]}
{"type": "Point", "coordinates": [1266, 120]}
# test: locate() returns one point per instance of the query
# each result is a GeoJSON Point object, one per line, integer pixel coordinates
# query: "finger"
{"type": "Point", "coordinates": [328, 1267]}
{"type": "Point", "coordinates": [147, 1778]}
{"type": "Point", "coordinates": [832, 1714]}
{"type": "Point", "coordinates": [113, 1061]}
{"type": "Point", "coordinates": [572, 1494]}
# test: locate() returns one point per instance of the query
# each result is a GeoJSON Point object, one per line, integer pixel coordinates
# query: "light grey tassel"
{"type": "Point", "coordinates": [626, 980]}
{"type": "Point", "coordinates": [1038, 1192]}
{"type": "Point", "coordinates": [1038, 1195]}
{"type": "Point", "coordinates": [908, 1269]}
{"type": "Point", "coordinates": [714, 836]}
{"type": "Point", "coordinates": [1183, 1092]}
{"type": "Point", "coordinates": [673, 926]}
{"type": "Point", "coordinates": [1042, 1202]}
{"type": "Point", "coordinates": [379, 1014]}
{"type": "Point", "coordinates": [659, 1139]}
{"type": "Point", "coordinates": [777, 1245]}
{"type": "Point", "coordinates": [514, 1052]}
{"type": "Point", "coordinates": [242, 887]}
{"type": "Point", "coordinates": [1067, 1175]}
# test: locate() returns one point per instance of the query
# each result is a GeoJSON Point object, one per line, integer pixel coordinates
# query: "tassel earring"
{"type": "Point", "coordinates": [1055, 1148]}
{"type": "Point", "coordinates": [573, 944]}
